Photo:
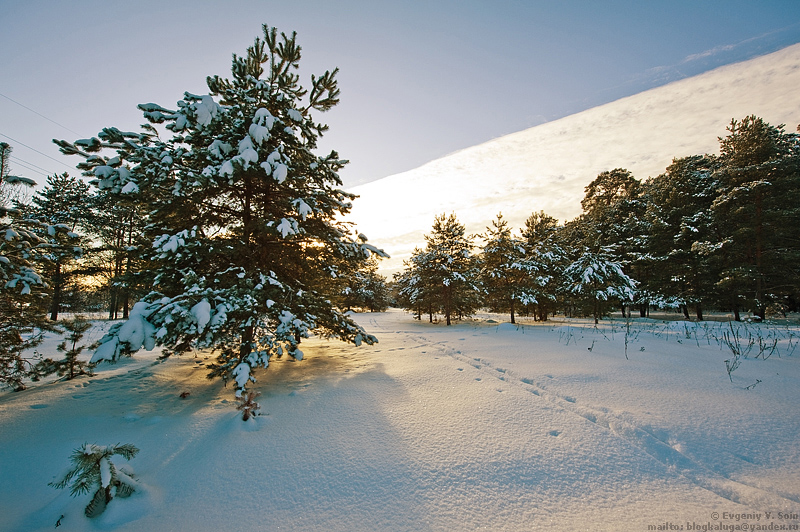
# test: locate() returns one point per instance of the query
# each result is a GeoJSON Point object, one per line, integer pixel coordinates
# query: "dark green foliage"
{"type": "Point", "coordinates": [63, 202]}
{"type": "Point", "coordinates": [757, 214]}
{"type": "Point", "coordinates": [365, 289]}
{"type": "Point", "coordinates": [413, 286]}
{"type": "Point", "coordinates": [444, 277]}
{"type": "Point", "coordinates": [545, 260]}
{"type": "Point", "coordinates": [508, 275]}
{"type": "Point", "coordinates": [23, 291]}
{"type": "Point", "coordinates": [680, 265]}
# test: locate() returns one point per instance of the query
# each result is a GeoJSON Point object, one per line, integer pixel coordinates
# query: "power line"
{"type": "Point", "coordinates": [39, 114]}
{"type": "Point", "coordinates": [37, 151]}
{"type": "Point", "coordinates": [18, 160]}
{"type": "Point", "coordinates": [28, 168]}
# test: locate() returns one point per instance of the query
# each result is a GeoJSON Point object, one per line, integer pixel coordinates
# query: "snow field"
{"type": "Point", "coordinates": [476, 426]}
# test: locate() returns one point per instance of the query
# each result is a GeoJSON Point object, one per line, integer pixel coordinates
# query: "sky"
{"type": "Point", "coordinates": [419, 79]}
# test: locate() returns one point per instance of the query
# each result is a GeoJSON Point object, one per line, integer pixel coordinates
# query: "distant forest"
{"type": "Point", "coordinates": [715, 232]}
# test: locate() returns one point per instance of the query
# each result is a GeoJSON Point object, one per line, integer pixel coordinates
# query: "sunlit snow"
{"type": "Point", "coordinates": [484, 425]}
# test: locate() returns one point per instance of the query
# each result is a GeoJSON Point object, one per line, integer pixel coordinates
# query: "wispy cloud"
{"type": "Point", "coordinates": [547, 167]}
{"type": "Point", "coordinates": [708, 53]}
{"type": "Point", "coordinates": [743, 50]}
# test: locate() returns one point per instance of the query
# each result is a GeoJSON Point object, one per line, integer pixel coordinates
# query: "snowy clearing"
{"type": "Point", "coordinates": [476, 426]}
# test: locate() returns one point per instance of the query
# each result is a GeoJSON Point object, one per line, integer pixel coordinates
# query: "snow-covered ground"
{"type": "Point", "coordinates": [480, 426]}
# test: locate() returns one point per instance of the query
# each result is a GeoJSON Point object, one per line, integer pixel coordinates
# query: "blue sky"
{"type": "Point", "coordinates": [419, 79]}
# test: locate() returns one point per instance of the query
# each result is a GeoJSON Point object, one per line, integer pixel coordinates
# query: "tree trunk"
{"type": "Point", "coordinates": [128, 271]}
{"type": "Point", "coordinates": [699, 310]}
{"type": "Point", "coordinates": [112, 302]}
{"type": "Point", "coordinates": [246, 346]}
{"type": "Point", "coordinates": [447, 304]}
{"type": "Point", "coordinates": [58, 282]}
{"type": "Point", "coordinates": [512, 311]}
{"type": "Point", "coordinates": [761, 310]}
{"type": "Point", "coordinates": [685, 310]}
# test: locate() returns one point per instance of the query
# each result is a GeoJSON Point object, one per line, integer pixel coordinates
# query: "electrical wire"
{"type": "Point", "coordinates": [29, 169]}
{"type": "Point", "coordinates": [37, 151]}
{"type": "Point", "coordinates": [39, 114]}
{"type": "Point", "coordinates": [17, 160]}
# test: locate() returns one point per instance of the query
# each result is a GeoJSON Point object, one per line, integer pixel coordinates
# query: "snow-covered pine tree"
{"type": "Point", "coordinates": [64, 201]}
{"type": "Point", "coordinates": [245, 219]}
{"type": "Point", "coordinates": [506, 276]}
{"type": "Point", "coordinates": [680, 236]}
{"type": "Point", "coordinates": [13, 189]}
{"type": "Point", "coordinates": [365, 289]}
{"type": "Point", "coordinates": [23, 299]}
{"type": "Point", "coordinates": [613, 209]}
{"type": "Point", "coordinates": [450, 267]}
{"type": "Point", "coordinates": [598, 278]}
{"type": "Point", "coordinates": [414, 285]}
{"type": "Point", "coordinates": [545, 260]}
{"type": "Point", "coordinates": [24, 244]}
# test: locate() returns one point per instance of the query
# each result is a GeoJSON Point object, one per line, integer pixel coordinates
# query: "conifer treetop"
{"type": "Point", "coordinates": [244, 218]}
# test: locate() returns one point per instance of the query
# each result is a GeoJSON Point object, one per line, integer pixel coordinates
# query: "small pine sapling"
{"type": "Point", "coordinates": [247, 404]}
{"type": "Point", "coordinates": [93, 468]}
{"type": "Point", "coordinates": [70, 366]}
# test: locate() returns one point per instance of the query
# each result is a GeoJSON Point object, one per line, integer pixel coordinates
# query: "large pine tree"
{"type": "Point", "coordinates": [244, 218]}
{"type": "Point", "coordinates": [757, 212]}
{"type": "Point", "coordinates": [545, 260]}
{"type": "Point", "coordinates": [680, 229]}
{"type": "Point", "coordinates": [507, 275]}
{"type": "Point", "coordinates": [62, 202]}
{"type": "Point", "coordinates": [25, 244]}
{"type": "Point", "coordinates": [451, 267]}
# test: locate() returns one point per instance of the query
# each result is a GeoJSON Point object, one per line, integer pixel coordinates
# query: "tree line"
{"type": "Point", "coordinates": [711, 232]}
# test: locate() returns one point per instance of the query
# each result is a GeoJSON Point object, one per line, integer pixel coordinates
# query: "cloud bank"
{"type": "Point", "coordinates": [547, 167]}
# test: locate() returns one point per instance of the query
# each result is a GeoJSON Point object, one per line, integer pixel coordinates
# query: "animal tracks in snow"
{"type": "Point", "coordinates": [657, 444]}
